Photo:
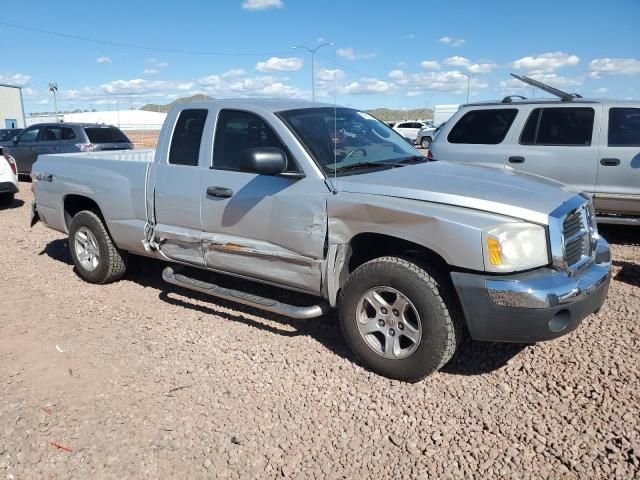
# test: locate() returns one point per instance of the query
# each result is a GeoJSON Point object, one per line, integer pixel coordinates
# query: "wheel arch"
{"type": "Point", "coordinates": [366, 246]}
{"type": "Point", "coordinates": [73, 203]}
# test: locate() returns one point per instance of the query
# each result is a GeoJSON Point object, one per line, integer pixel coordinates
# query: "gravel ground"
{"type": "Point", "coordinates": [139, 379]}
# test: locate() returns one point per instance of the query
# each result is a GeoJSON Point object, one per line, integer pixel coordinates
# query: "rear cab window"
{"type": "Point", "coordinates": [483, 127]}
{"type": "Point", "coordinates": [187, 137]}
{"type": "Point", "coordinates": [559, 126]}
{"type": "Point", "coordinates": [107, 134]}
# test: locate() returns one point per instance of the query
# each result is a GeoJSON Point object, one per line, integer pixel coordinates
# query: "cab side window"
{"type": "Point", "coordinates": [187, 137]}
{"type": "Point", "coordinates": [559, 127]}
{"type": "Point", "coordinates": [29, 135]}
{"type": "Point", "coordinates": [235, 132]}
{"type": "Point", "coordinates": [483, 127]}
{"type": "Point", "coordinates": [624, 127]}
{"type": "Point", "coordinates": [51, 134]}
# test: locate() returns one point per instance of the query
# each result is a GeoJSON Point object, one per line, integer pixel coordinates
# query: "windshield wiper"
{"type": "Point", "coordinates": [409, 160]}
{"type": "Point", "coordinates": [360, 165]}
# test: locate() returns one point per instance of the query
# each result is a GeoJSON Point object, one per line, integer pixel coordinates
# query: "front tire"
{"type": "Point", "coordinates": [399, 318]}
{"type": "Point", "coordinates": [94, 254]}
{"type": "Point", "coordinates": [425, 142]}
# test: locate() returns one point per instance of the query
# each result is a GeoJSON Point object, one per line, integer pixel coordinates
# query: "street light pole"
{"type": "Point", "coordinates": [53, 88]}
{"type": "Point", "coordinates": [313, 51]}
{"type": "Point", "coordinates": [468, 82]}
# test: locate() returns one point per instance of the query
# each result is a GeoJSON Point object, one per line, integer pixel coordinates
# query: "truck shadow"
{"type": "Point", "coordinates": [620, 234]}
{"type": "Point", "coordinates": [471, 358]}
{"type": "Point", "coordinates": [17, 203]}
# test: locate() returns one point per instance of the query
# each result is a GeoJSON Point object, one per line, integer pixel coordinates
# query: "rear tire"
{"type": "Point", "coordinates": [6, 199]}
{"type": "Point", "coordinates": [425, 142]}
{"type": "Point", "coordinates": [94, 254]}
{"type": "Point", "coordinates": [421, 340]}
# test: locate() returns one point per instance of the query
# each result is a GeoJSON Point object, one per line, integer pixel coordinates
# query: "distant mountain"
{"type": "Point", "coordinates": [384, 114]}
{"type": "Point", "coordinates": [389, 115]}
{"type": "Point", "coordinates": [152, 107]}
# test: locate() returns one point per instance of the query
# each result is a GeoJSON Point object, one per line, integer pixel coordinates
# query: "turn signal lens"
{"type": "Point", "coordinates": [494, 251]}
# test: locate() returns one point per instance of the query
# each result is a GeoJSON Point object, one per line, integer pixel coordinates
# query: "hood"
{"type": "Point", "coordinates": [490, 188]}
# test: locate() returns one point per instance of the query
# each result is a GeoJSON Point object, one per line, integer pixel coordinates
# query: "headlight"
{"type": "Point", "coordinates": [514, 246]}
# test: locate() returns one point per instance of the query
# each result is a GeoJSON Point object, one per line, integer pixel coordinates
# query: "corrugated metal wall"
{"type": "Point", "coordinates": [11, 106]}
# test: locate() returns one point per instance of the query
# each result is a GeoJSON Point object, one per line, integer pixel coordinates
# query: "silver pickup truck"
{"type": "Point", "coordinates": [330, 202]}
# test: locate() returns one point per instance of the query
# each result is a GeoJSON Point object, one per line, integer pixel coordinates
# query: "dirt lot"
{"type": "Point", "coordinates": [143, 138]}
{"type": "Point", "coordinates": [138, 379]}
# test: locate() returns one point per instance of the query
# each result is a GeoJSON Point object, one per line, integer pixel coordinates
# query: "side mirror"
{"type": "Point", "coordinates": [263, 161]}
{"type": "Point", "coordinates": [15, 140]}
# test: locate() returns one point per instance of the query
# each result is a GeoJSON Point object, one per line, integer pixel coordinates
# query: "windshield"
{"type": "Point", "coordinates": [354, 137]}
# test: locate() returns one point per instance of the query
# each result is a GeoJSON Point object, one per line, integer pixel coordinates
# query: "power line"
{"type": "Point", "coordinates": [139, 47]}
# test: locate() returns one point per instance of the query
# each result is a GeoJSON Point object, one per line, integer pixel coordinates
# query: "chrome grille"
{"type": "Point", "coordinates": [578, 229]}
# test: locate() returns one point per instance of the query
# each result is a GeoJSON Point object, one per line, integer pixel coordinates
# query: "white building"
{"type": "Point", "coordinates": [11, 107]}
{"type": "Point", "coordinates": [124, 119]}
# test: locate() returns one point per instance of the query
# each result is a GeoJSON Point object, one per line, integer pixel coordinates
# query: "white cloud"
{"type": "Point", "coordinates": [451, 81]}
{"type": "Point", "coordinates": [350, 54]}
{"type": "Point", "coordinates": [276, 64]}
{"type": "Point", "coordinates": [601, 90]}
{"type": "Point", "coordinates": [157, 63]}
{"type": "Point", "coordinates": [546, 63]}
{"type": "Point", "coordinates": [368, 86]}
{"type": "Point", "coordinates": [451, 41]}
{"type": "Point", "coordinates": [44, 101]}
{"type": "Point", "coordinates": [477, 68]}
{"type": "Point", "coordinates": [15, 79]}
{"type": "Point", "coordinates": [457, 61]}
{"type": "Point", "coordinates": [430, 65]}
{"type": "Point", "coordinates": [409, 36]}
{"type": "Point", "coordinates": [261, 4]}
{"type": "Point", "coordinates": [103, 60]}
{"type": "Point", "coordinates": [150, 71]}
{"type": "Point", "coordinates": [614, 66]}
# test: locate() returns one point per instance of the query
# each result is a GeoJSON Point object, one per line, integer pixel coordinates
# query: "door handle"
{"type": "Point", "coordinates": [219, 192]}
{"type": "Point", "coordinates": [610, 162]}
{"type": "Point", "coordinates": [516, 159]}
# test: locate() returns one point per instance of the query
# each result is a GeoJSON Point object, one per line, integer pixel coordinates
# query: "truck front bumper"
{"type": "Point", "coordinates": [534, 306]}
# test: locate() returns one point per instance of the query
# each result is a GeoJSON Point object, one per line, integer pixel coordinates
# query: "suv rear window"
{"type": "Point", "coordinates": [106, 135]}
{"type": "Point", "coordinates": [559, 126]}
{"type": "Point", "coordinates": [487, 127]}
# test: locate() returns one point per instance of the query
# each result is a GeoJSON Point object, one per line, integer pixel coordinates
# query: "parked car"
{"type": "Point", "coordinates": [63, 138]}
{"type": "Point", "coordinates": [426, 135]}
{"type": "Point", "coordinates": [409, 130]}
{"type": "Point", "coordinates": [410, 252]}
{"type": "Point", "coordinates": [8, 178]}
{"type": "Point", "coordinates": [8, 133]}
{"type": "Point", "coordinates": [593, 146]}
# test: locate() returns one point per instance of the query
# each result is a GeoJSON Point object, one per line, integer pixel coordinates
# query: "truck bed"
{"type": "Point", "coordinates": [114, 180]}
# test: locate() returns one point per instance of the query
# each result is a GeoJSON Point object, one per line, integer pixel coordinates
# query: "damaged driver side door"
{"type": "Point", "coordinates": [267, 227]}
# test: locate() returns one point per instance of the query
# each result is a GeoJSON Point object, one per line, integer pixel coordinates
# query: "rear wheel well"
{"type": "Point", "coordinates": [73, 204]}
{"type": "Point", "coordinates": [367, 246]}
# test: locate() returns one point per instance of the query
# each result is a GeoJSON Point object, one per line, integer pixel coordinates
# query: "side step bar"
{"type": "Point", "coordinates": [302, 313]}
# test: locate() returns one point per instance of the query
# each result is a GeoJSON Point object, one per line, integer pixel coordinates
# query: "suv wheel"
{"type": "Point", "coordinates": [425, 142]}
{"type": "Point", "coordinates": [399, 318]}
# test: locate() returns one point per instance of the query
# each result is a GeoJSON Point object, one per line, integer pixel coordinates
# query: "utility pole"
{"type": "Point", "coordinates": [313, 51]}
{"type": "Point", "coordinates": [53, 88]}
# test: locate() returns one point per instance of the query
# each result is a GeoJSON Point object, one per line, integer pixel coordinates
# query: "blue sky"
{"type": "Point", "coordinates": [407, 54]}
